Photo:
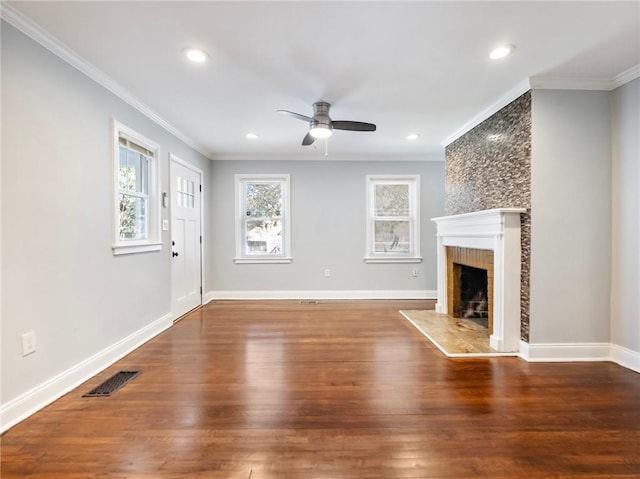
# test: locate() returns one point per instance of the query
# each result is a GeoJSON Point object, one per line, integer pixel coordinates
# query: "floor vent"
{"type": "Point", "coordinates": [111, 385]}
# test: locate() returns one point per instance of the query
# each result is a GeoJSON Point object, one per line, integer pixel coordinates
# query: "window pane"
{"type": "Point", "coordinates": [144, 174]}
{"type": "Point", "coordinates": [122, 168]}
{"type": "Point", "coordinates": [133, 171]}
{"type": "Point", "coordinates": [126, 174]}
{"type": "Point", "coordinates": [133, 217]}
{"type": "Point", "coordinates": [133, 163]}
{"type": "Point", "coordinates": [263, 237]}
{"type": "Point", "coordinates": [392, 237]}
{"type": "Point", "coordinates": [392, 200]}
{"type": "Point", "coordinates": [263, 200]}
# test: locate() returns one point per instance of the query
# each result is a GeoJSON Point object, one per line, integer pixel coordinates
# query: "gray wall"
{"type": "Point", "coordinates": [570, 217]}
{"type": "Point", "coordinates": [625, 260]}
{"type": "Point", "coordinates": [59, 276]}
{"type": "Point", "coordinates": [328, 214]}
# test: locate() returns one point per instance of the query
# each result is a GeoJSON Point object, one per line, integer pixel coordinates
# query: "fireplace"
{"type": "Point", "coordinates": [487, 240]}
{"type": "Point", "coordinates": [469, 275]}
{"type": "Point", "coordinates": [473, 299]}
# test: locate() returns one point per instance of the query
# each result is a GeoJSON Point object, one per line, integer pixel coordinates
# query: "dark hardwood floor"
{"type": "Point", "coordinates": [340, 390]}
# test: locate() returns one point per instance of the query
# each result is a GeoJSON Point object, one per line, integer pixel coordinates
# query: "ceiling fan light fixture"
{"type": "Point", "coordinates": [320, 131]}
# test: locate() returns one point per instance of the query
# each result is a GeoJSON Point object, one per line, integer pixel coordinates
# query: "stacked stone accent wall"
{"type": "Point", "coordinates": [490, 167]}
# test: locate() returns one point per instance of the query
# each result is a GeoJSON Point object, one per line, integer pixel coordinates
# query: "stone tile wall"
{"type": "Point", "coordinates": [490, 167]}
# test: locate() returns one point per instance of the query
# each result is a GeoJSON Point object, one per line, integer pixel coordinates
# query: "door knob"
{"type": "Point", "coordinates": [174, 254]}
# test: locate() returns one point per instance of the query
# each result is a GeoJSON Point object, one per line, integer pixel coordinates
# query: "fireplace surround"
{"type": "Point", "coordinates": [496, 230]}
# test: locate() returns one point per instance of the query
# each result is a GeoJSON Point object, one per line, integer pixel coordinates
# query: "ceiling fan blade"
{"type": "Point", "coordinates": [353, 126]}
{"type": "Point", "coordinates": [296, 115]}
{"type": "Point", "coordinates": [308, 140]}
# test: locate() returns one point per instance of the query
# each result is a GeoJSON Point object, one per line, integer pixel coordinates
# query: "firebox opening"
{"type": "Point", "coordinates": [474, 303]}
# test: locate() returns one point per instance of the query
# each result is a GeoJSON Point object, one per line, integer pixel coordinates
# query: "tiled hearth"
{"type": "Point", "coordinates": [498, 231]}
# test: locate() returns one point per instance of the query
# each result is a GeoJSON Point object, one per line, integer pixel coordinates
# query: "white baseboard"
{"type": "Point", "coordinates": [561, 352]}
{"type": "Point", "coordinates": [30, 402]}
{"type": "Point", "coordinates": [323, 294]}
{"type": "Point", "coordinates": [625, 357]}
{"type": "Point", "coordinates": [208, 297]}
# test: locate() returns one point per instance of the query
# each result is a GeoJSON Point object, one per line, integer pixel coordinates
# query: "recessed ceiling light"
{"type": "Point", "coordinates": [412, 136]}
{"type": "Point", "coordinates": [251, 136]}
{"type": "Point", "coordinates": [196, 55]}
{"type": "Point", "coordinates": [501, 51]}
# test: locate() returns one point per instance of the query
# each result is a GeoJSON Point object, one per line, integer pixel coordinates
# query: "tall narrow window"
{"type": "Point", "coordinates": [262, 219]}
{"type": "Point", "coordinates": [393, 221]}
{"type": "Point", "coordinates": [137, 208]}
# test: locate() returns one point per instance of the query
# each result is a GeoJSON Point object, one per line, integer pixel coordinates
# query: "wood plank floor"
{"type": "Point", "coordinates": [334, 390]}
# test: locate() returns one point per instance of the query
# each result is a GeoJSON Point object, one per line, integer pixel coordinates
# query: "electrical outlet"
{"type": "Point", "coordinates": [327, 273]}
{"type": "Point", "coordinates": [414, 273]}
{"type": "Point", "coordinates": [28, 343]}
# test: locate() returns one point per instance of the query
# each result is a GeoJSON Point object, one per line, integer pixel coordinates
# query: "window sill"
{"type": "Point", "coordinates": [415, 259]}
{"type": "Point", "coordinates": [263, 260]}
{"type": "Point", "coordinates": [120, 249]}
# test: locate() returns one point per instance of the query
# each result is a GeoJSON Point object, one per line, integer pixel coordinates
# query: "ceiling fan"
{"type": "Point", "coordinates": [321, 125]}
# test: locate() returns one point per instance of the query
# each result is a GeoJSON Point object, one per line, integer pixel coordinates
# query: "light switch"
{"type": "Point", "coordinates": [165, 225]}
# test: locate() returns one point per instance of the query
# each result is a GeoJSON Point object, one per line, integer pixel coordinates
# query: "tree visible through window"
{"type": "Point", "coordinates": [133, 180]}
{"type": "Point", "coordinates": [262, 217]}
{"type": "Point", "coordinates": [393, 221]}
{"type": "Point", "coordinates": [137, 199]}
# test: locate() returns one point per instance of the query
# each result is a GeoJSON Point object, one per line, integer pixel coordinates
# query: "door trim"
{"type": "Point", "coordinates": [173, 159]}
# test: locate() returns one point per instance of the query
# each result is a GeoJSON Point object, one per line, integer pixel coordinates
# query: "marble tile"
{"type": "Point", "coordinates": [455, 337]}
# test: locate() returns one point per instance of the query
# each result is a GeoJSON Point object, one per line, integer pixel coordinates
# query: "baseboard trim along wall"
{"type": "Point", "coordinates": [569, 352]}
{"type": "Point", "coordinates": [32, 401]}
{"type": "Point", "coordinates": [322, 294]}
{"type": "Point", "coordinates": [625, 357]}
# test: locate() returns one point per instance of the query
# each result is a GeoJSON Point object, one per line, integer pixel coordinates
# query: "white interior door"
{"type": "Point", "coordinates": [186, 259]}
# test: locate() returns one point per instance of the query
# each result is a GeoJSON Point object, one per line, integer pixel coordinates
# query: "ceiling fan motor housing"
{"type": "Point", "coordinates": [321, 115]}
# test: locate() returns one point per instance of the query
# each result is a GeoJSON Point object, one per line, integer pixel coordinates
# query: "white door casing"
{"type": "Point", "coordinates": [186, 236]}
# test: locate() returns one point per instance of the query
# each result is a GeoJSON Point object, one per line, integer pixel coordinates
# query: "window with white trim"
{"type": "Point", "coordinates": [393, 219]}
{"type": "Point", "coordinates": [136, 192]}
{"type": "Point", "coordinates": [262, 219]}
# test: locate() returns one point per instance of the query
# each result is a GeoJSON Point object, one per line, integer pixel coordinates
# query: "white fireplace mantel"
{"type": "Point", "coordinates": [497, 230]}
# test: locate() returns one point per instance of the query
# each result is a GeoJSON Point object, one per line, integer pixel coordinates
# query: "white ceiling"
{"type": "Point", "coordinates": [406, 66]}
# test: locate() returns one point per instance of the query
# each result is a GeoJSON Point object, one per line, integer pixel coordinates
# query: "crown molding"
{"type": "Point", "coordinates": [342, 157]}
{"type": "Point", "coordinates": [504, 100]}
{"type": "Point", "coordinates": [576, 83]}
{"type": "Point", "coordinates": [626, 76]}
{"type": "Point", "coordinates": [34, 31]}
{"type": "Point", "coordinates": [571, 83]}
{"type": "Point", "coordinates": [546, 83]}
